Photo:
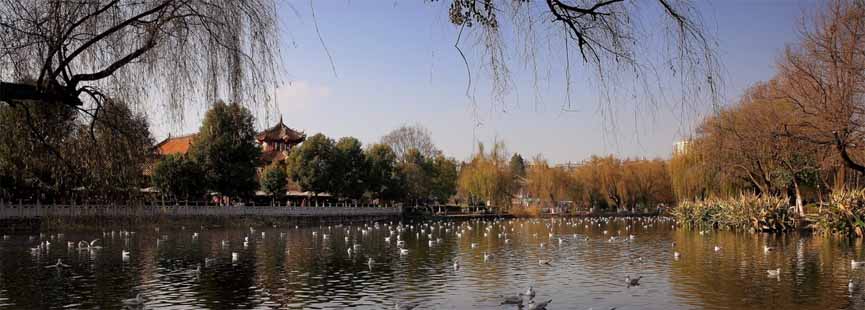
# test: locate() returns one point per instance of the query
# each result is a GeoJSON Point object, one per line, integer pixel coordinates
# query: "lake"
{"type": "Point", "coordinates": [579, 263]}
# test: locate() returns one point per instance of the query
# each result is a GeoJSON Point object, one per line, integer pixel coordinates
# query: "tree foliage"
{"type": "Point", "coordinates": [351, 168]}
{"type": "Point", "coordinates": [487, 178]}
{"type": "Point", "coordinates": [225, 148]}
{"type": "Point", "coordinates": [274, 180]}
{"type": "Point", "coordinates": [115, 152]}
{"type": "Point", "coordinates": [385, 182]}
{"type": "Point", "coordinates": [312, 165]}
{"type": "Point", "coordinates": [179, 177]}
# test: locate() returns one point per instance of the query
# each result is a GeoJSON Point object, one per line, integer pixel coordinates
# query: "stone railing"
{"type": "Point", "coordinates": [11, 211]}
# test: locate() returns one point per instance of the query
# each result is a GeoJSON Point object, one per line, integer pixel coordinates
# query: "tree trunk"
{"type": "Point", "coordinates": [800, 210]}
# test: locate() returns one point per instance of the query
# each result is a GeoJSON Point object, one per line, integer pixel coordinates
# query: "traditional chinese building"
{"type": "Point", "coordinates": [275, 143]}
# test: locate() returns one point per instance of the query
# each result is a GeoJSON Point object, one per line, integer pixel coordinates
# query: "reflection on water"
{"type": "Point", "coordinates": [312, 268]}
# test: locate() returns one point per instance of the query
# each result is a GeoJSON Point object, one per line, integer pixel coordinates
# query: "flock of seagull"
{"type": "Point", "coordinates": [430, 233]}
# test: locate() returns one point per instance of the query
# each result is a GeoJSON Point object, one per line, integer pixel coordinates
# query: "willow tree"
{"type": "Point", "coordinates": [174, 52]}
{"type": "Point", "coordinates": [487, 178]}
{"type": "Point", "coordinates": [608, 40]}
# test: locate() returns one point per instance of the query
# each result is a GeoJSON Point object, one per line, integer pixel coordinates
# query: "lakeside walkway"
{"type": "Point", "coordinates": [10, 211]}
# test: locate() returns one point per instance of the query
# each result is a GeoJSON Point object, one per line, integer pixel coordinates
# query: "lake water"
{"type": "Point", "coordinates": [309, 267]}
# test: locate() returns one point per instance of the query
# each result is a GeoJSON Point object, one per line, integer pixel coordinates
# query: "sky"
{"type": "Point", "coordinates": [372, 66]}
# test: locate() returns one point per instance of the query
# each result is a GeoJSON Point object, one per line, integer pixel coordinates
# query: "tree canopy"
{"type": "Point", "coordinates": [225, 148]}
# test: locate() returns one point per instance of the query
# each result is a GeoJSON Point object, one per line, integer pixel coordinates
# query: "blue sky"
{"type": "Point", "coordinates": [395, 64]}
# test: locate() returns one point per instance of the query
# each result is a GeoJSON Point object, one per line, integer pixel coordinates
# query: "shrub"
{"type": "Point", "coordinates": [759, 213]}
{"type": "Point", "coordinates": [843, 215]}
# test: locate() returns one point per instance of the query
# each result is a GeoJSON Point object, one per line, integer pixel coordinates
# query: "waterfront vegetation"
{"type": "Point", "coordinates": [796, 137]}
{"type": "Point", "coordinates": [749, 211]}
{"type": "Point", "coordinates": [787, 154]}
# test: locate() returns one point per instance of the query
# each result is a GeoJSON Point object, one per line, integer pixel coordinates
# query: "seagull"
{"type": "Point", "coordinates": [856, 264]}
{"type": "Point", "coordinates": [124, 254]}
{"type": "Point", "coordinates": [544, 262]}
{"type": "Point", "coordinates": [134, 302]}
{"type": "Point", "coordinates": [474, 245]}
{"type": "Point", "coordinates": [370, 262]}
{"type": "Point", "coordinates": [767, 249]}
{"type": "Point", "coordinates": [529, 292]}
{"type": "Point", "coordinates": [676, 255]}
{"type": "Point", "coordinates": [234, 256]}
{"type": "Point", "coordinates": [512, 300]}
{"type": "Point", "coordinates": [403, 251]}
{"type": "Point", "coordinates": [487, 256]}
{"type": "Point", "coordinates": [633, 281]}
{"type": "Point", "coordinates": [59, 264]}
{"type": "Point", "coordinates": [851, 286]}
{"type": "Point", "coordinates": [456, 265]}
{"type": "Point", "coordinates": [717, 248]}
{"type": "Point", "coordinates": [540, 305]}
{"type": "Point", "coordinates": [774, 272]}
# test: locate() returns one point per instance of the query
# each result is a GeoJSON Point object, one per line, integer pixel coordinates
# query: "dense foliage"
{"type": "Point", "coordinates": [746, 212]}
{"type": "Point", "coordinates": [180, 178]}
{"type": "Point", "coordinates": [47, 153]}
{"type": "Point", "coordinates": [225, 148]}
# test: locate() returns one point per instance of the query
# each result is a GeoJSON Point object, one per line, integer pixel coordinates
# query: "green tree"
{"type": "Point", "coordinates": [351, 168]}
{"type": "Point", "coordinates": [179, 177]}
{"type": "Point", "coordinates": [444, 178]}
{"type": "Point", "coordinates": [518, 166]}
{"type": "Point", "coordinates": [36, 157]}
{"type": "Point", "coordinates": [274, 180]}
{"type": "Point", "coordinates": [417, 172]}
{"type": "Point", "coordinates": [118, 147]}
{"type": "Point", "coordinates": [226, 149]}
{"type": "Point", "coordinates": [311, 165]}
{"type": "Point", "coordinates": [384, 179]}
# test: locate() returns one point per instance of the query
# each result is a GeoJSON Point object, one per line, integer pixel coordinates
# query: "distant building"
{"type": "Point", "coordinates": [175, 145]}
{"type": "Point", "coordinates": [275, 143]}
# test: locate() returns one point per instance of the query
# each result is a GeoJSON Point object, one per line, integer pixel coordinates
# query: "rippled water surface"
{"type": "Point", "coordinates": [309, 267]}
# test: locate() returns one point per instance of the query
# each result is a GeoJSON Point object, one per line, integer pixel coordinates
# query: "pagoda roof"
{"type": "Point", "coordinates": [281, 132]}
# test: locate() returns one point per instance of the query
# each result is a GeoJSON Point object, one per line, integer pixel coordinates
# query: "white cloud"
{"type": "Point", "coordinates": [298, 95]}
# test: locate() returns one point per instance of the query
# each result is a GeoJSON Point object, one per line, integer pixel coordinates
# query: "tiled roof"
{"type": "Point", "coordinates": [175, 145]}
{"type": "Point", "coordinates": [281, 132]}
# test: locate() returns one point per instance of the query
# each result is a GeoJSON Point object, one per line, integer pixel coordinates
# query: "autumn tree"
{"type": "Point", "coordinates": [487, 178]}
{"type": "Point", "coordinates": [823, 76]}
{"type": "Point", "coordinates": [550, 185]}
